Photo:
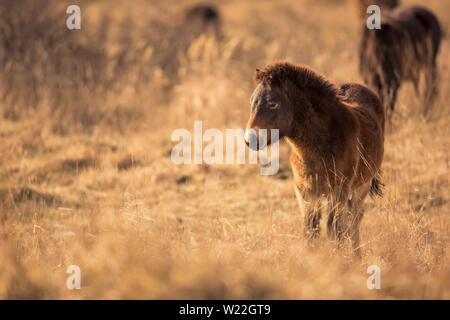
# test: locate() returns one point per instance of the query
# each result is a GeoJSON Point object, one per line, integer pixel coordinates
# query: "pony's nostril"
{"type": "Point", "coordinates": [251, 139]}
{"type": "Point", "coordinates": [247, 136]}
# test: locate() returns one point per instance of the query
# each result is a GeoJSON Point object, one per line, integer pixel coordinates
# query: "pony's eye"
{"type": "Point", "coordinates": [273, 106]}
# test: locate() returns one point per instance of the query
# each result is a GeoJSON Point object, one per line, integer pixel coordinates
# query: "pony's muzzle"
{"type": "Point", "coordinates": [252, 140]}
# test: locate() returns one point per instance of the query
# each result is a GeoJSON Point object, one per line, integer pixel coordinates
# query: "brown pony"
{"type": "Point", "coordinates": [337, 141]}
{"type": "Point", "coordinates": [406, 45]}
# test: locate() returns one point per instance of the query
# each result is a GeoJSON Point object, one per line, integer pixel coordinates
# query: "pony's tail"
{"type": "Point", "coordinates": [376, 187]}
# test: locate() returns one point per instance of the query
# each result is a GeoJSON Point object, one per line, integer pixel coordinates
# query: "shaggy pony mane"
{"type": "Point", "coordinates": [303, 77]}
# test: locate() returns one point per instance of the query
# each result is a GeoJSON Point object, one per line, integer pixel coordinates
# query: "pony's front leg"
{"type": "Point", "coordinates": [335, 225]}
{"type": "Point", "coordinates": [310, 209]}
{"type": "Point", "coordinates": [337, 217]}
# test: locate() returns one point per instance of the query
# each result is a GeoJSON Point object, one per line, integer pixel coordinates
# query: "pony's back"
{"type": "Point", "coordinates": [361, 97]}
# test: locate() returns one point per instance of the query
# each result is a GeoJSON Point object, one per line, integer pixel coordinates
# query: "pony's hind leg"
{"type": "Point", "coordinates": [356, 213]}
{"type": "Point", "coordinates": [345, 218]}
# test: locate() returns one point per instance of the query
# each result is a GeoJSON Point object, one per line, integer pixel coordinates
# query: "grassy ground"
{"type": "Point", "coordinates": [86, 176]}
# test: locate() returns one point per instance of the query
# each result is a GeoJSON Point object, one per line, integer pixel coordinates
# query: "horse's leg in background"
{"type": "Point", "coordinates": [431, 87]}
{"type": "Point", "coordinates": [390, 99]}
{"type": "Point", "coordinates": [310, 209]}
{"type": "Point", "coordinates": [393, 98]}
{"type": "Point", "coordinates": [382, 89]}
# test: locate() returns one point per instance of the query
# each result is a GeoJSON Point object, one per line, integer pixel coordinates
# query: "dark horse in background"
{"type": "Point", "coordinates": [406, 46]}
{"type": "Point", "coordinates": [202, 18]}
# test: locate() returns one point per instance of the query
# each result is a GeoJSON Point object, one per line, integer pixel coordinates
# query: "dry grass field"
{"type": "Point", "coordinates": [86, 176]}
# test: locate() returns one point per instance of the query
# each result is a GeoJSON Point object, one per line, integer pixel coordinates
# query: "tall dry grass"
{"type": "Point", "coordinates": [86, 176]}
